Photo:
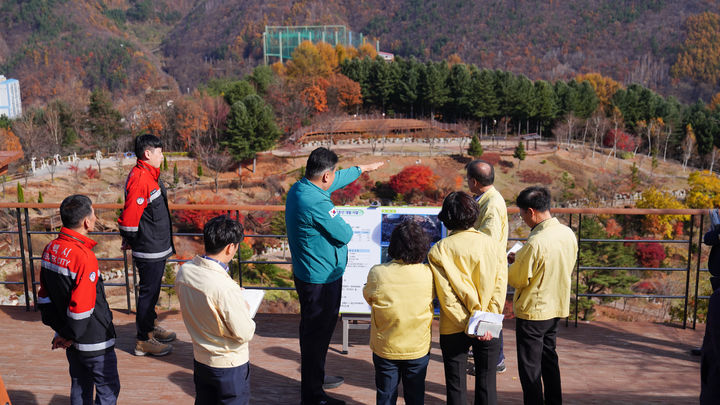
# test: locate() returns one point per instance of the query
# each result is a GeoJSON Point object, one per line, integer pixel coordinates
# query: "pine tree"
{"type": "Point", "coordinates": [40, 197]}
{"type": "Point", "coordinates": [165, 165]}
{"type": "Point", "coordinates": [176, 175]}
{"type": "Point", "coordinates": [199, 170]}
{"type": "Point", "coordinates": [20, 193]}
{"type": "Point", "coordinates": [519, 153]}
{"type": "Point", "coordinates": [475, 149]}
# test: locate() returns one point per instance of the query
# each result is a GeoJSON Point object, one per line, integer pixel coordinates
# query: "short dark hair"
{"type": "Point", "coordinates": [220, 232]}
{"type": "Point", "coordinates": [409, 242]}
{"type": "Point", "coordinates": [319, 161]}
{"type": "Point", "coordinates": [535, 197]}
{"type": "Point", "coordinates": [146, 142]}
{"type": "Point", "coordinates": [459, 211]}
{"type": "Point", "coordinates": [74, 209]}
{"type": "Point", "coordinates": [476, 170]}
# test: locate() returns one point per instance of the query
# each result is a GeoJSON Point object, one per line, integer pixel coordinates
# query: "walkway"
{"type": "Point", "coordinates": [601, 362]}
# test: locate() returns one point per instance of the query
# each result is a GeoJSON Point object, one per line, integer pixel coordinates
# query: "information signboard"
{"type": "Point", "coordinates": [372, 227]}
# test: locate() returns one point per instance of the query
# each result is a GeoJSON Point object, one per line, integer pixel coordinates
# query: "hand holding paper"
{"type": "Point", "coordinates": [481, 323]}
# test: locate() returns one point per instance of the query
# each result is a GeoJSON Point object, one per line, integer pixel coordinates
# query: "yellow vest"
{"type": "Point", "coordinates": [493, 222]}
{"type": "Point", "coordinates": [541, 273]}
{"type": "Point", "coordinates": [465, 270]}
{"type": "Point", "coordinates": [400, 296]}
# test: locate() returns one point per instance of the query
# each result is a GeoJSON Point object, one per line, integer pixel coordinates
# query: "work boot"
{"type": "Point", "coordinates": [151, 347]}
{"type": "Point", "coordinates": [162, 335]}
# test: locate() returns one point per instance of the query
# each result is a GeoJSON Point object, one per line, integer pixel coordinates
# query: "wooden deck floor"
{"type": "Point", "coordinates": [601, 363]}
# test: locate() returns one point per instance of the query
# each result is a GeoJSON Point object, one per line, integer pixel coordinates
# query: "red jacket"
{"type": "Point", "coordinates": [145, 221]}
{"type": "Point", "coordinates": [71, 297]}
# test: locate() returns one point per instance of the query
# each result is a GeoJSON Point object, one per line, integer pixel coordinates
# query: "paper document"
{"type": "Point", "coordinates": [254, 299]}
{"type": "Point", "coordinates": [517, 246]}
{"type": "Point", "coordinates": [481, 322]}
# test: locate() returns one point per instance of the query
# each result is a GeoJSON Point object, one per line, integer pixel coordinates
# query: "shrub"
{"type": "Point", "coordinates": [650, 255]}
{"type": "Point", "coordinates": [194, 220]}
{"type": "Point", "coordinates": [412, 178]}
{"type": "Point", "coordinates": [625, 141]}
{"type": "Point", "coordinates": [91, 173]}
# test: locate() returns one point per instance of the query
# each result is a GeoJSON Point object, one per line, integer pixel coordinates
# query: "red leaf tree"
{"type": "Point", "coordinates": [625, 141]}
{"type": "Point", "coordinates": [348, 193]}
{"type": "Point", "coordinates": [413, 178]}
{"type": "Point", "coordinates": [650, 254]}
{"type": "Point", "coordinates": [194, 220]}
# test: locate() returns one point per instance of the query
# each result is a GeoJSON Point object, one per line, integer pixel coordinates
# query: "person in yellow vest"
{"type": "Point", "coordinates": [541, 274]}
{"type": "Point", "coordinates": [400, 295]}
{"type": "Point", "coordinates": [492, 221]}
{"type": "Point", "coordinates": [465, 272]}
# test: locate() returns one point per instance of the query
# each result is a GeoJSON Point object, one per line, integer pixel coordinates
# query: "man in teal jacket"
{"type": "Point", "coordinates": [318, 239]}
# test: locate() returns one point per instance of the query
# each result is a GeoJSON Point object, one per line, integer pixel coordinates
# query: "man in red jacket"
{"type": "Point", "coordinates": [72, 302]}
{"type": "Point", "coordinates": [146, 227]}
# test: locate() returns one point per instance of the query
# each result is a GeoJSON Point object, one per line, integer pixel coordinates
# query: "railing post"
{"type": "Point", "coordinates": [687, 274]}
{"type": "Point", "coordinates": [30, 256]}
{"type": "Point", "coordinates": [240, 276]}
{"type": "Point", "coordinates": [135, 283]}
{"type": "Point", "coordinates": [697, 272]}
{"type": "Point", "coordinates": [22, 258]}
{"type": "Point", "coordinates": [577, 272]}
{"type": "Point", "coordinates": [127, 279]}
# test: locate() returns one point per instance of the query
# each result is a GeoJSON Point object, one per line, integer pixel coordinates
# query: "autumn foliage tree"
{"type": "Point", "coordinates": [704, 190]}
{"type": "Point", "coordinates": [621, 139]}
{"type": "Point", "coordinates": [662, 225]}
{"type": "Point", "coordinates": [700, 57]}
{"type": "Point", "coordinates": [194, 220]}
{"type": "Point", "coordinates": [411, 178]}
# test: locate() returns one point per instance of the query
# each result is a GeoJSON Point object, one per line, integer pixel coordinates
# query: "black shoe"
{"type": "Point", "coordinates": [696, 351]}
{"type": "Point", "coordinates": [501, 367]}
{"type": "Point", "coordinates": [331, 401]}
{"type": "Point", "coordinates": [332, 381]}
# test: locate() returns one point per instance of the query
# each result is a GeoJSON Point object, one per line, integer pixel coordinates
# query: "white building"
{"type": "Point", "coordinates": [10, 104]}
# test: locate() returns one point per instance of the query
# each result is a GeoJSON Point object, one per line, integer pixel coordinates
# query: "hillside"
{"type": "Point", "coordinates": [68, 47]}
{"type": "Point", "coordinates": [630, 41]}
{"type": "Point", "coordinates": [64, 48]}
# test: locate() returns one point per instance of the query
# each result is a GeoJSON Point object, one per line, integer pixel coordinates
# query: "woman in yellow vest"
{"type": "Point", "coordinates": [464, 266]}
{"type": "Point", "coordinates": [400, 295]}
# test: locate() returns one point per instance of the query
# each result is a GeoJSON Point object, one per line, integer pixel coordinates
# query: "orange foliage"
{"type": "Point", "coordinates": [411, 178]}
{"type": "Point", "coordinates": [367, 50]}
{"type": "Point", "coordinates": [604, 87]}
{"type": "Point", "coordinates": [343, 52]}
{"type": "Point", "coordinates": [343, 92]}
{"type": "Point", "coordinates": [307, 62]}
{"type": "Point", "coordinates": [315, 96]}
{"type": "Point", "coordinates": [191, 120]}
{"type": "Point", "coordinates": [8, 140]}
{"type": "Point", "coordinates": [328, 55]}
{"type": "Point", "coordinates": [715, 102]}
{"type": "Point", "coordinates": [700, 58]}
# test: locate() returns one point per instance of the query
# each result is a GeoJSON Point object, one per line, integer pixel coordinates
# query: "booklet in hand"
{"type": "Point", "coordinates": [481, 322]}
{"type": "Point", "coordinates": [254, 299]}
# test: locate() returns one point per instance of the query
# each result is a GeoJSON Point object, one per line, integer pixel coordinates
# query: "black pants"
{"type": "Point", "coordinates": [319, 307]}
{"type": "Point", "coordinates": [226, 386]}
{"type": "Point", "coordinates": [455, 354]}
{"type": "Point", "coordinates": [538, 361]}
{"type": "Point", "coordinates": [151, 274]}
{"type": "Point", "coordinates": [389, 373]}
{"type": "Point", "coordinates": [88, 374]}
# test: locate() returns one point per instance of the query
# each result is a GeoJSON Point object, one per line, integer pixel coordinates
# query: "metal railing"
{"type": "Point", "coordinates": [28, 257]}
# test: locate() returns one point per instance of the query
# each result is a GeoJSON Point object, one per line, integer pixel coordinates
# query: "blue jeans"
{"type": "Point", "coordinates": [226, 386]}
{"type": "Point", "coordinates": [387, 378]}
{"type": "Point", "coordinates": [501, 358]}
{"type": "Point", "coordinates": [88, 374]}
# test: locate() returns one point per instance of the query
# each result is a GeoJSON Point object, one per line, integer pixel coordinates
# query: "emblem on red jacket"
{"type": "Point", "coordinates": [140, 200]}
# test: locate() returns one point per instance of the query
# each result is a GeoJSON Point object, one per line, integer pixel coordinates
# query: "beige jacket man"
{"type": "Point", "coordinates": [215, 313]}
